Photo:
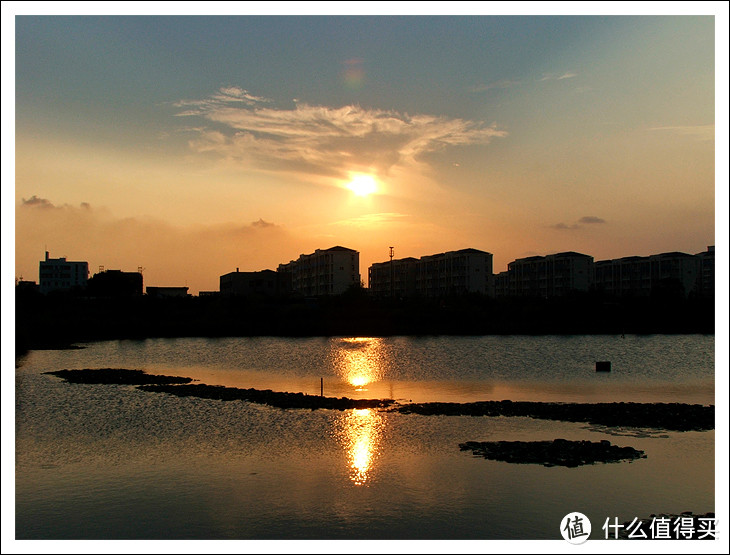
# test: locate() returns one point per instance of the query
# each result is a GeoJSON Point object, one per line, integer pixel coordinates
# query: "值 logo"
{"type": "Point", "coordinates": [575, 528]}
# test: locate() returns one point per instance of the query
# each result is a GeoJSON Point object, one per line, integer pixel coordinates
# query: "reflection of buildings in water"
{"type": "Point", "coordinates": [360, 435]}
{"type": "Point", "coordinates": [359, 360]}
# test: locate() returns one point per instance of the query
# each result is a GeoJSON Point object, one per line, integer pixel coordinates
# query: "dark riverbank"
{"type": "Point", "coordinates": [57, 321]}
{"type": "Point", "coordinates": [666, 416]}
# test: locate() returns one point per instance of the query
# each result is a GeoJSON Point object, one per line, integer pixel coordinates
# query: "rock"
{"type": "Point", "coordinates": [666, 416]}
{"type": "Point", "coordinates": [559, 452]}
{"type": "Point", "coordinates": [116, 376]}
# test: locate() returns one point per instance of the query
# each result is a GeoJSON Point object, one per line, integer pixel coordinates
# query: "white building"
{"type": "Point", "coordinates": [455, 272]}
{"type": "Point", "coordinates": [59, 274]}
{"type": "Point", "coordinates": [435, 275]}
{"type": "Point", "coordinates": [640, 276]}
{"type": "Point", "coordinates": [324, 272]}
{"type": "Point", "coordinates": [554, 275]}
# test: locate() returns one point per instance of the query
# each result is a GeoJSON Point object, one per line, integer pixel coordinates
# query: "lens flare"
{"type": "Point", "coordinates": [353, 74]}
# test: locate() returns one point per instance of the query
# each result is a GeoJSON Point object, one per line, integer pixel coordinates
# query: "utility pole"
{"type": "Point", "coordinates": [392, 289]}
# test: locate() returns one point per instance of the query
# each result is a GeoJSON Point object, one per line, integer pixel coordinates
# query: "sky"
{"type": "Point", "coordinates": [192, 145]}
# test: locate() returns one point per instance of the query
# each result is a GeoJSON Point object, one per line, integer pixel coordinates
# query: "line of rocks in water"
{"type": "Point", "coordinates": [182, 387]}
{"type": "Point", "coordinates": [268, 397]}
{"type": "Point", "coordinates": [559, 452]}
{"type": "Point", "coordinates": [668, 416]}
{"type": "Point", "coordinates": [121, 376]}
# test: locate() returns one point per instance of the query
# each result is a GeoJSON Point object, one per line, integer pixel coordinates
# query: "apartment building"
{"type": "Point", "coordinates": [265, 283]}
{"type": "Point", "coordinates": [59, 274]}
{"type": "Point", "coordinates": [640, 276]}
{"type": "Point", "coordinates": [706, 273]}
{"type": "Point", "coordinates": [324, 272]}
{"type": "Point", "coordinates": [554, 275]}
{"type": "Point", "coordinates": [395, 278]}
{"type": "Point", "coordinates": [436, 275]}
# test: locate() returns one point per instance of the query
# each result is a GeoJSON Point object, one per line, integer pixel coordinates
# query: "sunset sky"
{"type": "Point", "coordinates": [190, 146]}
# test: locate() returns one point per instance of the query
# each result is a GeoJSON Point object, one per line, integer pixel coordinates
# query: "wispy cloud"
{"type": "Point", "coordinates": [501, 84]}
{"type": "Point", "coordinates": [224, 95]}
{"type": "Point", "coordinates": [592, 220]}
{"type": "Point", "coordinates": [698, 132]}
{"type": "Point", "coordinates": [322, 140]}
{"type": "Point", "coordinates": [563, 226]}
{"type": "Point", "coordinates": [371, 219]}
{"type": "Point", "coordinates": [558, 76]}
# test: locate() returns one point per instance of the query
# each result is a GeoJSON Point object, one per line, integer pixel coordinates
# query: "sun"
{"type": "Point", "coordinates": [362, 185]}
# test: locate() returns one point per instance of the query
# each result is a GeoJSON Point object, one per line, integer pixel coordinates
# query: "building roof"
{"type": "Point", "coordinates": [338, 248]}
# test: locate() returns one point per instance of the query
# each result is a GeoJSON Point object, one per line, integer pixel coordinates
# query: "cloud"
{"type": "Point", "coordinates": [170, 254]}
{"type": "Point", "coordinates": [563, 226]}
{"type": "Point", "coordinates": [558, 76]}
{"type": "Point", "coordinates": [38, 202]}
{"type": "Point", "coordinates": [373, 219]}
{"type": "Point", "coordinates": [501, 84]}
{"type": "Point", "coordinates": [588, 220]}
{"type": "Point", "coordinates": [698, 132]}
{"type": "Point", "coordinates": [260, 223]}
{"type": "Point", "coordinates": [321, 140]}
{"type": "Point", "coordinates": [592, 220]}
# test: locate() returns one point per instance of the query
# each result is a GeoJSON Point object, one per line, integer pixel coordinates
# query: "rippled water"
{"type": "Point", "coordinates": [114, 462]}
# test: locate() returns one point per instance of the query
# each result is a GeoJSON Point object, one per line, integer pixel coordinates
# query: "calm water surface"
{"type": "Point", "coordinates": [113, 462]}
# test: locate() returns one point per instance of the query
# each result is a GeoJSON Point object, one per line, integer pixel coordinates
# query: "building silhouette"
{"type": "Point", "coordinates": [59, 274]}
{"type": "Point", "coordinates": [642, 276]}
{"type": "Point", "coordinates": [265, 283]}
{"type": "Point", "coordinates": [324, 272]}
{"type": "Point", "coordinates": [115, 283]}
{"type": "Point", "coordinates": [395, 278]}
{"type": "Point", "coordinates": [706, 273]}
{"type": "Point", "coordinates": [436, 275]}
{"type": "Point", "coordinates": [167, 292]}
{"type": "Point", "coordinates": [554, 275]}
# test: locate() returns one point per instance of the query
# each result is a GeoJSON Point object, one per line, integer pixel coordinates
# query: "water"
{"type": "Point", "coordinates": [114, 462]}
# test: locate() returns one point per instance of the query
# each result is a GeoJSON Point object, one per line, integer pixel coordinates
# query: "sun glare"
{"type": "Point", "coordinates": [362, 185]}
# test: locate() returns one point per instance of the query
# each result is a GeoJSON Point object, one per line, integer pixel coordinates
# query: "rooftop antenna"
{"type": "Point", "coordinates": [140, 269]}
{"type": "Point", "coordinates": [392, 289]}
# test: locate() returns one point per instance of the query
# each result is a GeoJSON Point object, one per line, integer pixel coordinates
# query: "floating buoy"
{"type": "Point", "coordinates": [603, 366]}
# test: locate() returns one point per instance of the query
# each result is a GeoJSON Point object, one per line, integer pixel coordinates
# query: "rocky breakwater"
{"type": "Point", "coordinates": [182, 387]}
{"type": "Point", "coordinates": [120, 376]}
{"type": "Point", "coordinates": [667, 416]}
{"type": "Point", "coordinates": [278, 399]}
{"type": "Point", "coordinates": [558, 452]}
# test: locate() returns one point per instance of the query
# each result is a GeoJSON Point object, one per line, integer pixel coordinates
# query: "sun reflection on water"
{"type": "Point", "coordinates": [358, 360]}
{"type": "Point", "coordinates": [361, 431]}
